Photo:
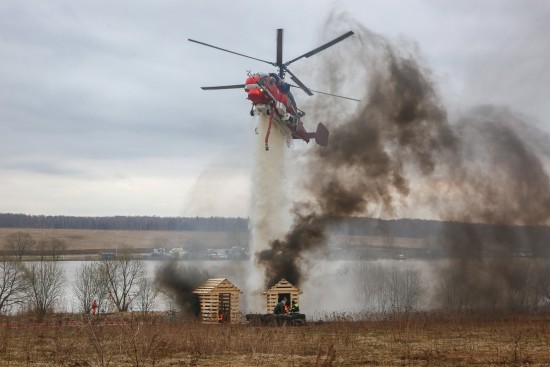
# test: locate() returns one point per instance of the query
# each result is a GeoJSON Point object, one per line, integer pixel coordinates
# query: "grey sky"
{"type": "Point", "coordinates": [101, 111]}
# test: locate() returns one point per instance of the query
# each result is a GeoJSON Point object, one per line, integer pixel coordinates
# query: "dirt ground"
{"type": "Point", "coordinates": [420, 340]}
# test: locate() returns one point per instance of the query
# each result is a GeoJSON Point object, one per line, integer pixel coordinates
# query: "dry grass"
{"type": "Point", "coordinates": [82, 239]}
{"type": "Point", "coordinates": [407, 341]}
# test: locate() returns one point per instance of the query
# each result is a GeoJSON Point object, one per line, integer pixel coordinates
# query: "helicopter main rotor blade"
{"type": "Point", "coordinates": [234, 86]}
{"type": "Point", "coordinates": [329, 94]}
{"type": "Point", "coordinates": [321, 48]}
{"type": "Point", "coordinates": [297, 81]}
{"type": "Point", "coordinates": [231, 52]}
{"type": "Point", "coordinates": [280, 50]}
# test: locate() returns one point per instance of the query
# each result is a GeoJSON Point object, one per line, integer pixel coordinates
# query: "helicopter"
{"type": "Point", "coordinates": [270, 94]}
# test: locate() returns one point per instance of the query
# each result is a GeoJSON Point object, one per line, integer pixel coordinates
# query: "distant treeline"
{"type": "Point", "coordinates": [359, 226]}
{"type": "Point", "coordinates": [123, 223]}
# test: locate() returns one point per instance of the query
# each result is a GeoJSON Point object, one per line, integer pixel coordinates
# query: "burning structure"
{"type": "Point", "coordinates": [219, 301]}
{"type": "Point", "coordinates": [282, 290]}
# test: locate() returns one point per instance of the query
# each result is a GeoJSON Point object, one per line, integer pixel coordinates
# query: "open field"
{"type": "Point", "coordinates": [420, 340]}
{"type": "Point", "coordinates": [80, 239]}
{"type": "Point", "coordinates": [81, 243]}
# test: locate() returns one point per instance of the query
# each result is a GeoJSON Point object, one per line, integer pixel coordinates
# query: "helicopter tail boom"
{"type": "Point", "coordinates": [320, 136]}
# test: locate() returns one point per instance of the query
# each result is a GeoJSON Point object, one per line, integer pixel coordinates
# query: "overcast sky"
{"type": "Point", "coordinates": [101, 111]}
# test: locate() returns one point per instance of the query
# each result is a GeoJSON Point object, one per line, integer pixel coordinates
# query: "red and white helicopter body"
{"type": "Point", "coordinates": [267, 98]}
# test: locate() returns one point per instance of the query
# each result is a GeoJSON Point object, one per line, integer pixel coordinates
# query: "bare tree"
{"type": "Point", "coordinates": [40, 249]}
{"type": "Point", "coordinates": [12, 285]}
{"type": "Point", "coordinates": [527, 281]}
{"type": "Point", "coordinates": [468, 287]}
{"type": "Point", "coordinates": [453, 291]}
{"type": "Point", "coordinates": [407, 287]}
{"type": "Point", "coordinates": [57, 248]}
{"type": "Point", "coordinates": [371, 286]}
{"type": "Point", "coordinates": [517, 285]}
{"type": "Point", "coordinates": [44, 283]}
{"type": "Point", "coordinates": [19, 243]}
{"type": "Point", "coordinates": [51, 247]}
{"type": "Point", "coordinates": [88, 287]}
{"type": "Point", "coordinates": [121, 278]}
{"type": "Point", "coordinates": [388, 288]}
{"type": "Point", "coordinates": [146, 295]}
{"type": "Point", "coordinates": [543, 285]}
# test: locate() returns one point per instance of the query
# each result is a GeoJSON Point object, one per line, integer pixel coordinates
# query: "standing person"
{"type": "Point", "coordinates": [285, 89]}
{"type": "Point", "coordinates": [94, 307]}
{"type": "Point", "coordinates": [280, 307]}
{"type": "Point", "coordinates": [294, 308]}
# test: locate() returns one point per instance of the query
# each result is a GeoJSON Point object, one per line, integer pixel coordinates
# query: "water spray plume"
{"type": "Point", "coordinates": [269, 212]}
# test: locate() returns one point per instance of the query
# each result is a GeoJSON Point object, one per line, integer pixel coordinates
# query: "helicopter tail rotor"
{"type": "Point", "coordinates": [320, 136]}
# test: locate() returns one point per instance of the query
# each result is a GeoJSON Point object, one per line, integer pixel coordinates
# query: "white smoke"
{"type": "Point", "coordinates": [269, 212]}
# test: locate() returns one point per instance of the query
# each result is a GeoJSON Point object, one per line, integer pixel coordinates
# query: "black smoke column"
{"type": "Point", "coordinates": [399, 126]}
{"type": "Point", "coordinates": [180, 282]}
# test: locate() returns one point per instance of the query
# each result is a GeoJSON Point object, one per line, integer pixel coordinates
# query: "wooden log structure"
{"type": "Point", "coordinates": [219, 301]}
{"type": "Point", "coordinates": [282, 289]}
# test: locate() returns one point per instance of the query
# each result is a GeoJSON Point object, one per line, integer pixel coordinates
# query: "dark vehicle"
{"type": "Point", "coordinates": [290, 319]}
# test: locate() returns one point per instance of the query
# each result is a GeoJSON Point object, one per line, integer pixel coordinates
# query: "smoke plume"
{"type": "Point", "coordinates": [400, 125]}
{"type": "Point", "coordinates": [398, 147]}
{"type": "Point", "coordinates": [179, 282]}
